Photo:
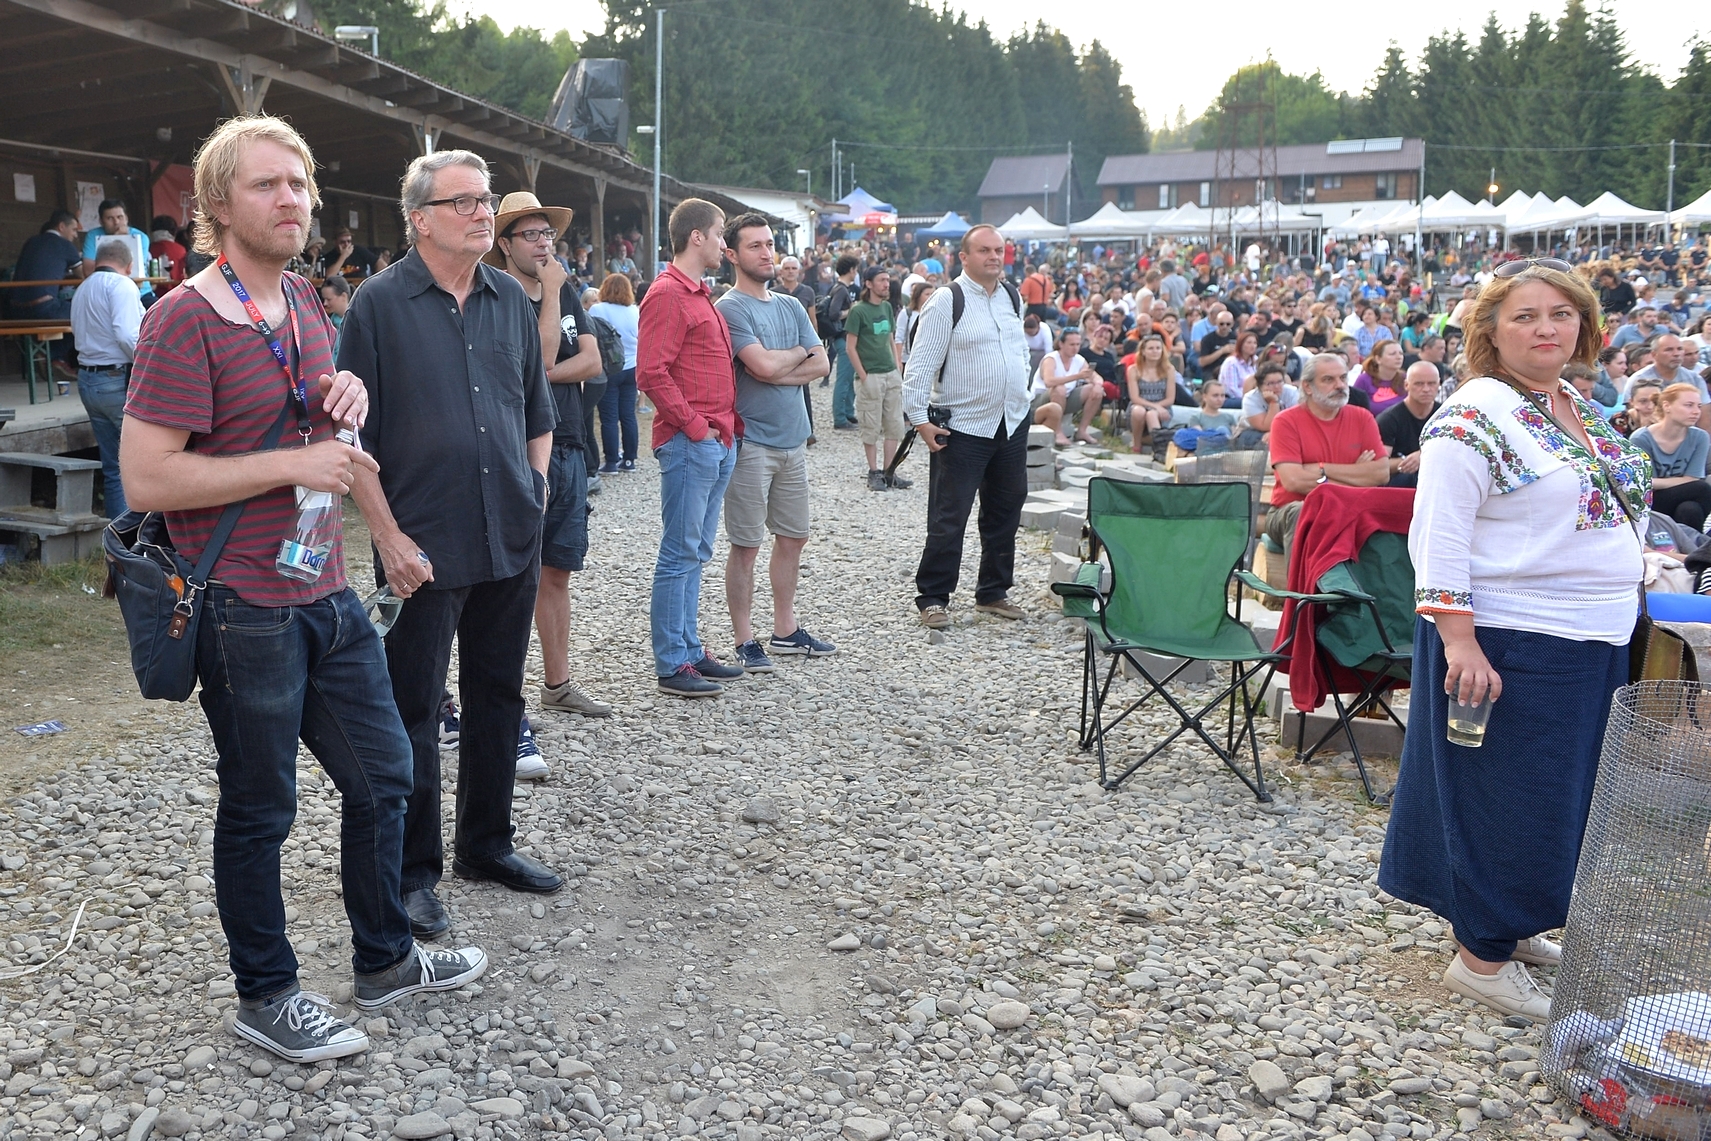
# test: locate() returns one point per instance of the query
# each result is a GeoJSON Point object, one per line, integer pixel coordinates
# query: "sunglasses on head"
{"type": "Point", "coordinates": [1511, 268]}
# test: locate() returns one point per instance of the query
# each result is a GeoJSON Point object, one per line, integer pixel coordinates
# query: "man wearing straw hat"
{"type": "Point", "coordinates": [524, 233]}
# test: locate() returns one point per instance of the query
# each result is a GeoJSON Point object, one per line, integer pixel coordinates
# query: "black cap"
{"type": "Point", "coordinates": [872, 272]}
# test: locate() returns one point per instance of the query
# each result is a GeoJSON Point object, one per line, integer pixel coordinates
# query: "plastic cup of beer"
{"type": "Point", "coordinates": [1467, 722]}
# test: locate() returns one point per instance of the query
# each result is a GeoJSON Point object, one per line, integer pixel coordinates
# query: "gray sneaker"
{"type": "Point", "coordinates": [299, 1027]}
{"type": "Point", "coordinates": [421, 970]}
{"type": "Point", "coordinates": [571, 698]}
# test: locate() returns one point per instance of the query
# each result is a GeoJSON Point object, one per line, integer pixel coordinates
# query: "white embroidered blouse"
{"type": "Point", "coordinates": [1514, 522]}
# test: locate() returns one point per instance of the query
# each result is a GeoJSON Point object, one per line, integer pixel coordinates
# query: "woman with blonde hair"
{"type": "Point", "coordinates": [1526, 553]}
{"type": "Point", "coordinates": [1152, 384]}
{"type": "Point", "coordinates": [1678, 449]}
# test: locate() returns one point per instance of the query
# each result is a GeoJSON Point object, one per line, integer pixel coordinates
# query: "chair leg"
{"type": "Point", "coordinates": [1089, 678]}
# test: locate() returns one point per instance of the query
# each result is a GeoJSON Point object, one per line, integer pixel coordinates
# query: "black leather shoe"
{"type": "Point", "coordinates": [427, 918]}
{"type": "Point", "coordinates": [513, 869]}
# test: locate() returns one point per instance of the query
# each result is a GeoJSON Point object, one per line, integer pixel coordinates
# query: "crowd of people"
{"type": "Point", "coordinates": [485, 384]}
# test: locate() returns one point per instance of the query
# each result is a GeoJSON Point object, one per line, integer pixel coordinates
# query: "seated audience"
{"type": "Point", "coordinates": [1321, 440]}
{"type": "Point", "coordinates": [1400, 425]}
{"type": "Point", "coordinates": [1381, 376]}
{"type": "Point", "coordinates": [1678, 449]}
{"type": "Point", "coordinates": [1270, 395]}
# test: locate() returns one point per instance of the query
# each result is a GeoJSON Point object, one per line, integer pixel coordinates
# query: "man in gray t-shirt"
{"type": "Point", "coordinates": [777, 352]}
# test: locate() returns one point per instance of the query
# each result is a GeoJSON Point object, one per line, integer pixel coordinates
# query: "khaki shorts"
{"type": "Point", "coordinates": [768, 492]}
{"type": "Point", "coordinates": [879, 406]}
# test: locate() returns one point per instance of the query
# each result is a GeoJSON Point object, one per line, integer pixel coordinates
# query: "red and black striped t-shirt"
{"type": "Point", "coordinates": [199, 372]}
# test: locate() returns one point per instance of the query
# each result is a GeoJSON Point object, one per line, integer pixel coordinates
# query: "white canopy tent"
{"type": "Point", "coordinates": [1274, 217]}
{"type": "Point", "coordinates": [1189, 218]}
{"type": "Point", "coordinates": [1112, 222]}
{"type": "Point", "coordinates": [1695, 213]}
{"type": "Point", "coordinates": [1369, 220]}
{"type": "Point", "coordinates": [1609, 210]}
{"type": "Point", "coordinates": [1028, 226]}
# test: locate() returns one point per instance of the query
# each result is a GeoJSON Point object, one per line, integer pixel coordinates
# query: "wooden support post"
{"type": "Point", "coordinates": [246, 89]}
{"type": "Point", "coordinates": [597, 232]}
{"type": "Point", "coordinates": [531, 172]}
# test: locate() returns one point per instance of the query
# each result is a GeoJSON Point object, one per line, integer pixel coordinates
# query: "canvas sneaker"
{"type": "Point", "coordinates": [713, 669]}
{"type": "Point", "coordinates": [753, 659]}
{"type": "Point", "coordinates": [1539, 951]}
{"type": "Point", "coordinates": [1002, 607]}
{"type": "Point", "coordinates": [299, 1027]}
{"type": "Point", "coordinates": [421, 970]}
{"type": "Point", "coordinates": [530, 764]}
{"type": "Point", "coordinates": [1509, 991]}
{"type": "Point", "coordinates": [935, 617]}
{"type": "Point", "coordinates": [451, 728]}
{"type": "Point", "coordinates": [572, 698]}
{"type": "Point", "coordinates": [802, 643]}
{"type": "Point", "coordinates": [899, 482]}
{"type": "Point", "coordinates": [876, 481]}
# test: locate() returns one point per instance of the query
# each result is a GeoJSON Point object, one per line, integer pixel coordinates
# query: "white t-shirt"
{"type": "Point", "coordinates": [1253, 402]}
{"type": "Point", "coordinates": [1075, 365]}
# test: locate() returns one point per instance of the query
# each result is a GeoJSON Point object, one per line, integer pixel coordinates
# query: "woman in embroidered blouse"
{"type": "Point", "coordinates": [1526, 566]}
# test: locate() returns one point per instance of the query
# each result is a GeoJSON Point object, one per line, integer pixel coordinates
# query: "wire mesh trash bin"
{"type": "Point", "coordinates": [1629, 1040]}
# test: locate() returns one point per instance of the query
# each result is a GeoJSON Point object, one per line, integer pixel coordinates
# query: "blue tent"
{"type": "Point", "coordinates": [858, 206]}
{"type": "Point", "coordinates": [952, 225]}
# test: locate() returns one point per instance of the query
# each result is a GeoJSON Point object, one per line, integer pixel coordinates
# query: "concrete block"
{"type": "Point", "coordinates": [1066, 544]}
{"type": "Point", "coordinates": [1075, 477]}
{"type": "Point", "coordinates": [1376, 738]}
{"type": "Point", "coordinates": [1040, 516]}
{"type": "Point", "coordinates": [1071, 523]}
{"type": "Point", "coordinates": [1160, 665]}
{"type": "Point", "coordinates": [1134, 473]}
{"type": "Point", "coordinates": [1046, 482]}
{"type": "Point", "coordinates": [1064, 568]}
{"type": "Point", "coordinates": [1040, 436]}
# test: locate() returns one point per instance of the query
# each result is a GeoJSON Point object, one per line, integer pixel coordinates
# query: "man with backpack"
{"type": "Point", "coordinates": [833, 309]}
{"type": "Point", "coordinates": [969, 340]}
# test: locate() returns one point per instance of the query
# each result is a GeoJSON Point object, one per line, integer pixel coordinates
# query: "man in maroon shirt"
{"type": "Point", "coordinates": [683, 364]}
{"type": "Point", "coordinates": [279, 660]}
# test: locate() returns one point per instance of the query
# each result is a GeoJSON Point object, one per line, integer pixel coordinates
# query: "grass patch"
{"type": "Point", "coordinates": [48, 608]}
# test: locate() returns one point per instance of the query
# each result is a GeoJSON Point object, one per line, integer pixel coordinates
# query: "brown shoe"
{"type": "Point", "coordinates": [935, 617]}
{"type": "Point", "coordinates": [1003, 607]}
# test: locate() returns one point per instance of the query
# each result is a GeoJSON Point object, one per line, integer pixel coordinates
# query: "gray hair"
{"type": "Point", "coordinates": [114, 251]}
{"type": "Point", "coordinates": [1310, 370]}
{"type": "Point", "coordinates": [789, 259]}
{"type": "Point", "coordinates": [418, 183]}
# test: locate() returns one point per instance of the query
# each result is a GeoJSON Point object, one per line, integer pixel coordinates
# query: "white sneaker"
{"type": "Point", "coordinates": [1539, 951]}
{"type": "Point", "coordinates": [1509, 991]}
{"type": "Point", "coordinates": [530, 764]}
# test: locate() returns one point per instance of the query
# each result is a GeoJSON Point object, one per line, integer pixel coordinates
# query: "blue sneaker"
{"type": "Point", "coordinates": [530, 764]}
{"type": "Point", "coordinates": [753, 659]}
{"type": "Point", "coordinates": [803, 643]}
{"type": "Point", "coordinates": [451, 728]}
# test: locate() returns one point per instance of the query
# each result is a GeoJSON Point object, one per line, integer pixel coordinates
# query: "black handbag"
{"type": "Point", "coordinates": [160, 594]}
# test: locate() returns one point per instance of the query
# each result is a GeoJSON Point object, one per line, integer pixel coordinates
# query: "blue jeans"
{"type": "Point", "coordinates": [271, 677]}
{"type": "Point", "coordinates": [843, 392]}
{"type": "Point", "coordinates": [692, 479]}
{"type": "Point", "coordinates": [103, 396]}
{"type": "Point", "coordinates": [618, 411]}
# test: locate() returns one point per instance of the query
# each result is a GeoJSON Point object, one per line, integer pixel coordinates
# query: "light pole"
{"type": "Point", "coordinates": [809, 175]}
{"type": "Point", "coordinates": [653, 130]}
{"type": "Point", "coordinates": [659, 125]}
{"type": "Point", "coordinates": [356, 33]}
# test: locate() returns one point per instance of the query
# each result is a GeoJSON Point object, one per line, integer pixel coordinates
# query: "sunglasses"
{"type": "Point", "coordinates": [383, 608]}
{"type": "Point", "coordinates": [1511, 268]}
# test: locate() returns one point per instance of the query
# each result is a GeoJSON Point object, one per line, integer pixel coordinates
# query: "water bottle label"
{"type": "Point", "coordinates": [307, 562]}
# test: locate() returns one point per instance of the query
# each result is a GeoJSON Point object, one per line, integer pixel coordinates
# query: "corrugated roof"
{"type": "Point", "coordinates": [1024, 174]}
{"type": "Point", "coordinates": [1311, 159]}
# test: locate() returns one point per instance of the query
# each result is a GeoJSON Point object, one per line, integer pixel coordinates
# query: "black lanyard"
{"type": "Point", "coordinates": [293, 375]}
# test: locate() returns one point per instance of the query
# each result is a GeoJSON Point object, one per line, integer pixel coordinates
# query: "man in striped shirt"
{"type": "Point", "coordinates": [980, 364]}
{"type": "Point", "coordinates": [683, 364]}
{"type": "Point", "coordinates": [279, 660]}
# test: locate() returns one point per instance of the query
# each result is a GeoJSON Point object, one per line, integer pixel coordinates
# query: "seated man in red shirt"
{"type": "Point", "coordinates": [1321, 440]}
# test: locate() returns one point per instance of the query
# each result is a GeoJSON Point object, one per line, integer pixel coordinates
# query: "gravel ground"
{"type": "Point", "coordinates": [876, 895]}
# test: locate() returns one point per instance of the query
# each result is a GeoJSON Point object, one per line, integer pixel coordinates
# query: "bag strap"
{"type": "Point", "coordinates": [229, 517]}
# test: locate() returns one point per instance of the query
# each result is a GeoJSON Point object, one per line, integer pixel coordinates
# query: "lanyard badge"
{"type": "Point", "coordinates": [293, 378]}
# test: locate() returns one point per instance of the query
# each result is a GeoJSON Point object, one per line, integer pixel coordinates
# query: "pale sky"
{"type": "Point", "coordinates": [1244, 31]}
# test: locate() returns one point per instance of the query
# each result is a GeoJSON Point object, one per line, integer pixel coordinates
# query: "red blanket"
{"type": "Point", "coordinates": [1335, 522]}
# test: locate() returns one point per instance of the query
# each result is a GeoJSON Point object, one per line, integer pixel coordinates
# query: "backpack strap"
{"type": "Point", "coordinates": [957, 304]}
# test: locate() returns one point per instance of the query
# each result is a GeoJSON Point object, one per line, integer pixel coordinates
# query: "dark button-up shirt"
{"type": "Point", "coordinates": [454, 397]}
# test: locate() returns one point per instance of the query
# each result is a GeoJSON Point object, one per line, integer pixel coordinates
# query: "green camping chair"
{"type": "Point", "coordinates": [1172, 549]}
{"type": "Point", "coordinates": [1363, 621]}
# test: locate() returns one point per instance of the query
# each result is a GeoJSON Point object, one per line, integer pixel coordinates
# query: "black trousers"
{"type": "Point", "coordinates": [997, 469]}
{"type": "Point", "coordinates": [493, 622]}
{"type": "Point", "coordinates": [1686, 503]}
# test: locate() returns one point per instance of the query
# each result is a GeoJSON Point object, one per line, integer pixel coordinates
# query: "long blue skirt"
{"type": "Point", "coordinates": [1488, 838]}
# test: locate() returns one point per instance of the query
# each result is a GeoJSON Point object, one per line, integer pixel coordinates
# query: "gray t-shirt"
{"type": "Point", "coordinates": [1688, 459]}
{"type": "Point", "coordinates": [774, 415]}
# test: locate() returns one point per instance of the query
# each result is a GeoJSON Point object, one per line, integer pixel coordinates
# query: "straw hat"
{"type": "Point", "coordinates": [520, 204]}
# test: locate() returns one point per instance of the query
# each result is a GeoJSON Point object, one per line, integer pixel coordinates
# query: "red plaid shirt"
{"type": "Point", "coordinates": [683, 361]}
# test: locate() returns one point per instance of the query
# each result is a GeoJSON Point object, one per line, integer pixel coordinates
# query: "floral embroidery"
{"type": "Point", "coordinates": [1432, 597]}
{"type": "Point", "coordinates": [1470, 426]}
{"type": "Point", "coordinates": [1627, 465]}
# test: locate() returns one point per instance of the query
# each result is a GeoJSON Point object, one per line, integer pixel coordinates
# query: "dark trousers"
{"type": "Point", "coordinates": [493, 622]}
{"type": "Point", "coordinates": [593, 392]}
{"type": "Point", "coordinates": [996, 468]}
{"type": "Point", "coordinates": [1686, 503]}
{"type": "Point", "coordinates": [272, 676]}
{"type": "Point", "coordinates": [618, 417]}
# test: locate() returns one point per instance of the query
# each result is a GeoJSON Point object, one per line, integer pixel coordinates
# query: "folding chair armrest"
{"type": "Point", "coordinates": [1339, 584]}
{"type": "Point", "coordinates": [1252, 580]}
{"type": "Point", "coordinates": [1084, 585]}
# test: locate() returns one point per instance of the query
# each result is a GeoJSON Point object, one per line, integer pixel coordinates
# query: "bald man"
{"type": "Point", "coordinates": [1400, 425]}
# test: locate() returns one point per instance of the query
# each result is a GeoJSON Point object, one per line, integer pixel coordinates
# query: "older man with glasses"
{"type": "Point", "coordinates": [460, 420]}
{"type": "Point", "coordinates": [1217, 345]}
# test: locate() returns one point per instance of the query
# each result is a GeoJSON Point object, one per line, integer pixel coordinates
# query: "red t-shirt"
{"type": "Point", "coordinates": [1299, 437]}
{"type": "Point", "coordinates": [1036, 289]}
{"type": "Point", "coordinates": [198, 372]}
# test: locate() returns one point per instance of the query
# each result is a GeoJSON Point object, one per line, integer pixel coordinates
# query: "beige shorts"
{"type": "Point", "coordinates": [879, 406]}
{"type": "Point", "coordinates": [768, 492]}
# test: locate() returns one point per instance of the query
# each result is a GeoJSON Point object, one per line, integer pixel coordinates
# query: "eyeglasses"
{"type": "Point", "coordinates": [383, 608]}
{"type": "Point", "coordinates": [1511, 268]}
{"type": "Point", "coordinates": [531, 236]}
{"type": "Point", "coordinates": [465, 204]}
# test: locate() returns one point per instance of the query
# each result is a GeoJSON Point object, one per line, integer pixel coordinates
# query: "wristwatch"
{"type": "Point", "coordinates": [1322, 476]}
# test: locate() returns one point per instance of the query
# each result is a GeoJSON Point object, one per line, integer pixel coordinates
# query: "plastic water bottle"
{"type": "Point", "coordinates": [303, 553]}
